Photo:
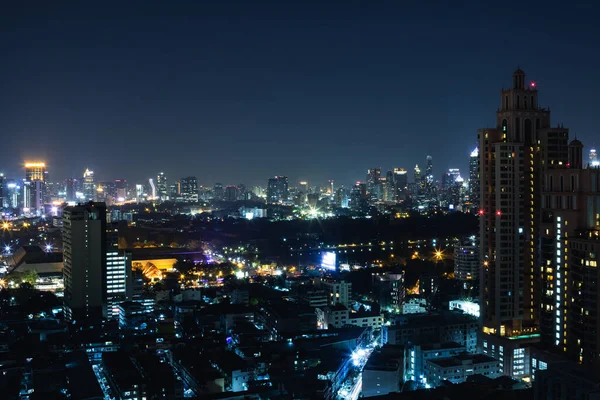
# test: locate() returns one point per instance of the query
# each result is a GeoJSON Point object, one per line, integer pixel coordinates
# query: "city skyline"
{"type": "Point", "coordinates": [141, 94]}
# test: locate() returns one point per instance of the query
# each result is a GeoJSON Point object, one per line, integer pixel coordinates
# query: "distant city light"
{"type": "Point", "coordinates": [499, 213]}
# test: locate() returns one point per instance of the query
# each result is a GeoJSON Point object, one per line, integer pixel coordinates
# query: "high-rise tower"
{"type": "Point", "coordinates": [474, 186]}
{"type": "Point", "coordinates": [34, 187]}
{"type": "Point", "coordinates": [84, 241]}
{"type": "Point", "coordinates": [161, 187]}
{"type": "Point", "coordinates": [512, 160]}
{"type": "Point", "coordinates": [89, 186]}
{"type": "Point", "coordinates": [429, 174]}
{"type": "Point", "coordinates": [593, 157]}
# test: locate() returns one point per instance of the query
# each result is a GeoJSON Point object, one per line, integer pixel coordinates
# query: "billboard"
{"type": "Point", "coordinates": [329, 260]}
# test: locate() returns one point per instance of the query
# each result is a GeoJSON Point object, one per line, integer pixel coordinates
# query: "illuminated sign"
{"type": "Point", "coordinates": [328, 260]}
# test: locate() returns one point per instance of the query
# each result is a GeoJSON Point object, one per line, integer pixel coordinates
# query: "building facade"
{"type": "Point", "coordinates": [513, 158]}
{"type": "Point", "coordinates": [84, 252]}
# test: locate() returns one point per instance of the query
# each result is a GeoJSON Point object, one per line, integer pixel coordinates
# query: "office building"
{"type": "Point", "coordinates": [429, 181]}
{"type": "Point", "coordinates": [34, 188]}
{"type": "Point", "coordinates": [84, 241]}
{"type": "Point", "coordinates": [513, 157]}
{"type": "Point", "coordinates": [139, 193]}
{"type": "Point", "coordinates": [358, 197]}
{"type": "Point", "coordinates": [593, 158]}
{"type": "Point", "coordinates": [218, 192]}
{"type": "Point", "coordinates": [89, 186]}
{"type": "Point", "coordinates": [189, 189]}
{"type": "Point", "coordinates": [277, 190]}
{"type": "Point", "coordinates": [400, 183]}
{"type": "Point", "coordinates": [231, 193]}
{"type": "Point", "coordinates": [373, 183]}
{"type": "Point", "coordinates": [466, 260]}
{"type": "Point", "coordinates": [474, 186]}
{"type": "Point", "coordinates": [70, 190]}
{"type": "Point", "coordinates": [120, 190]}
{"type": "Point", "coordinates": [162, 187]}
{"type": "Point", "coordinates": [417, 175]}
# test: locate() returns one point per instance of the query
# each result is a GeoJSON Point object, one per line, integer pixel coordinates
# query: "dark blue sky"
{"type": "Point", "coordinates": [239, 91]}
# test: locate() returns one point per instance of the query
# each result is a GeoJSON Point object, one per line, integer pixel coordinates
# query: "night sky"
{"type": "Point", "coordinates": [236, 92]}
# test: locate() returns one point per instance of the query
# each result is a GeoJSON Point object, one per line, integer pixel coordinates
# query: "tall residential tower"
{"type": "Point", "coordinates": [513, 158]}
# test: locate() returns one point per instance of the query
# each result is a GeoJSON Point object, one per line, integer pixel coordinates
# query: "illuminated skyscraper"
{"type": "Point", "coordinates": [34, 187]}
{"type": "Point", "coordinates": [162, 188]}
{"type": "Point", "coordinates": [231, 193]}
{"type": "Point", "coordinates": [359, 197]}
{"type": "Point", "coordinates": [417, 174]}
{"type": "Point", "coordinates": [277, 190]}
{"type": "Point", "coordinates": [118, 278]}
{"type": "Point", "coordinates": [218, 191]}
{"type": "Point", "coordinates": [189, 189]}
{"type": "Point", "coordinates": [512, 160]}
{"type": "Point", "coordinates": [429, 174]}
{"type": "Point", "coordinates": [474, 186]}
{"type": "Point", "coordinates": [89, 186]}
{"type": "Point", "coordinates": [70, 190]}
{"type": "Point", "coordinates": [400, 183]}
{"type": "Point", "coordinates": [594, 162]}
{"type": "Point", "coordinates": [373, 182]}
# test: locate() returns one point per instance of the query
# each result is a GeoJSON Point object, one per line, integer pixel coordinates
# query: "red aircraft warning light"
{"type": "Point", "coordinates": [498, 213]}
{"type": "Point", "coordinates": [480, 212]}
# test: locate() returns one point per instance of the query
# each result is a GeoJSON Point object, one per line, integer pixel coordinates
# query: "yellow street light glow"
{"type": "Point", "coordinates": [5, 225]}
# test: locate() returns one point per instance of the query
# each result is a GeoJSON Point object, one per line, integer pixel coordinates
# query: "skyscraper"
{"type": "Point", "coordinates": [429, 174]}
{"type": "Point", "coordinates": [400, 183]}
{"type": "Point", "coordinates": [162, 188]}
{"type": "Point", "coordinates": [474, 178]}
{"type": "Point", "coordinates": [117, 274]}
{"type": "Point", "coordinates": [84, 241]}
{"type": "Point", "coordinates": [373, 182]}
{"type": "Point", "coordinates": [277, 190]}
{"type": "Point", "coordinates": [218, 191]}
{"type": "Point", "coordinates": [593, 157]}
{"type": "Point", "coordinates": [34, 187]}
{"type": "Point", "coordinates": [189, 189]}
{"type": "Point", "coordinates": [231, 193]}
{"type": "Point", "coordinates": [417, 176]}
{"type": "Point", "coordinates": [512, 160]}
{"type": "Point", "coordinates": [70, 189]}
{"type": "Point", "coordinates": [358, 197]}
{"type": "Point", "coordinates": [89, 186]}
